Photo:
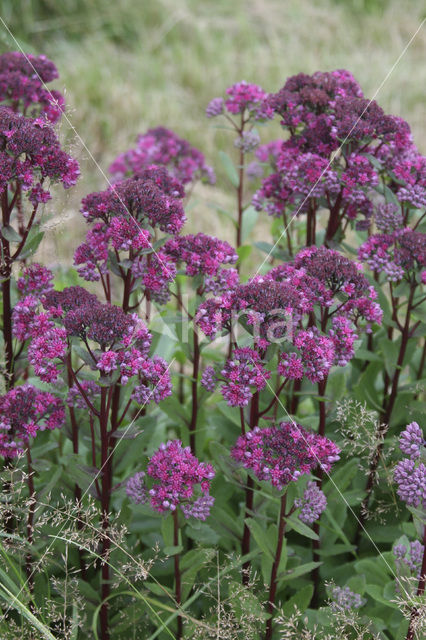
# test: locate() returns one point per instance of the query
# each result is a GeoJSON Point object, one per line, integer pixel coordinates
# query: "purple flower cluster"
{"type": "Point", "coordinates": [241, 373]}
{"type": "Point", "coordinates": [24, 411]}
{"type": "Point", "coordinates": [343, 599]}
{"type": "Point", "coordinates": [408, 561]}
{"type": "Point", "coordinates": [180, 480]}
{"type": "Point", "coordinates": [243, 98]}
{"type": "Point", "coordinates": [163, 147]}
{"type": "Point", "coordinates": [156, 271]}
{"type": "Point", "coordinates": [411, 441]}
{"type": "Point", "coordinates": [35, 280]}
{"type": "Point", "coordinates": [136, 488]}
{"type": "Point", "coordinates": [121, 215]}
{"type": "Point", "coordinates": [22, 85]}
{"type": "Point", "coordinates": [282, 453]}
{"type": "Point", "coordinates": [202, 254]}
{"type": "Point", "coordinates": [319, 284]}
{"type": "Point", "coordinates": [395, 254]}
{"type": "Point", "coordinates": [139, 198]}
{"type": "Point", "coordinates": [325, 112]}
{"type": "Point", "coordinates": [30, 154]}
{"type": "Point", "coordinates": [410, 473]}
{"type": "Point", "coordinates": [317, 353]}
{"type": "Point", "coordinates": [388, 217]}
{"type": "Point", "coordinates": [312, 504]}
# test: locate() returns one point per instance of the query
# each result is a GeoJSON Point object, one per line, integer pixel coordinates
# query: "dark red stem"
{"type": "Point", "coordinates": [194, 391]}
{"type": "Point", "coordinates": [178, 591]}
{"type": "Point", "coordinates": [274, 570]}
{"type": "Point", "coordinates": [245, 545]}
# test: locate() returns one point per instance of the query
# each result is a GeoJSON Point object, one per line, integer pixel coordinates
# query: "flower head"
{"type": "Point", "coordinates": [24, 411]}
{"type": "Point", "coordinates": [312, 504]}
{"type": "Point", "coordinates": [282, 453]}
{"type": "Point", "coordinates": [180, 480]}
{"type": "Point", "coordinates": [161, 146]}
{"type": "Point", "coordinates": [22, 85]}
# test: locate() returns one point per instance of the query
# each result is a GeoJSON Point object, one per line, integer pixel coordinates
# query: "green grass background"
{"type": "Point", "coordinates": [132, 64]}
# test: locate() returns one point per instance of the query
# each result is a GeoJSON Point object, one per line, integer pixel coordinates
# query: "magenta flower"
{"type": "Point", "coordinates": [30, 154]}
{"type": "Point", "coordinates": [244, 96]}
{"type": "Point", "coordinates": [395, 254]}
{"type": "Point", "coordinates": [163, 147]}
{"type": "Point", "coordinates": [180, 480]}
{"type": "Point", "coordinates": [202, 254]}
{"type": "Point", "coordinates": [24, 411]}
{"type": "Point", "coordinates": [22, 80]}
{"type": "Point", "coordinates": [139, 198]}
{"type": "Point", "coordinates": [280, 454]}
{"type": "Point", "coordinates": [243, 374]}
{"type": "Point", "coordinates": [45, 351]}
{"type": "Point", "coordinates": [35, 280]}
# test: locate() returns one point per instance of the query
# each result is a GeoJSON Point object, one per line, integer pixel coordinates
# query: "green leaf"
{"type": "Point", "coordinates": [300, 600]}
{"type": "Point", "coordinates": [31, 245]}
{"type": "Point", "coordinates": [225, 213]}
{"type": "Point", "coordinates": [191, 563]}
{"type": "Point", "coordinates": [375, 571]}
{"type": "Point", "coordinates": [167, 529]}
{"type": "Point", "coordinates": [301, 527]}
{"type": "Point", "coordinates": [250, 216]}
{"type": "Point", "coordinates": [299, 571]}
{"type": "Point", "coordinates": [9, 234]}
{"type": "Point", "coordinates": [173, 550]}
{"type": "Point", "coordinates": [202, 532]}
{"type": "Point", "coordinates": [225, 523]}
{"type": "Point", "coordinates": [260, 536]}
{"type": "Point", "coordinates": [376, 593]}
{"type": "Point", "coordinates": [230, 168]}
{"type": "Point", "coordinates": [390, 351]}
{"type": "Point", "coordinates": [244, 252]}
{"type": "Point", "coordinates": [268, 248]}
{"type": "Point", "coordinates": [364, 354]}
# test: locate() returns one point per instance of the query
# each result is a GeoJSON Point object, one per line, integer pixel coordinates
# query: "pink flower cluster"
{"type": "Point", "coordinates": [280, 454]}
{"type": "Point", "coordinates": [314, 303]}
{"type": "Point", "coordinates": [163, 147]}
{"type": "Point", "coordinates": [202, 254]}
{"type": "Point", "coordinates": [35, 280]}
{"type": "Point", "coordinates": [121, 215]}
{"type": "Point", "coordinates": [395, 254]}
{"type": "Point", "coordinates": [30, 154]}
{"type": "Point", "coordinates": [22, 85]}
{"type": "Point", "coordinates": [317, 353]}
{"type": "Point", "coordinates": [241, 373]}
{"type": "Point", "coordinates": [325, 112]}
{"type": "Point", "coordinates": [24, 411]}
{"type": "Point", "coordinates": [180, 480]}
{"type": "Point", "coordinates": [139, 198]}
{"type": "Point", "coordinates": [243, 98]}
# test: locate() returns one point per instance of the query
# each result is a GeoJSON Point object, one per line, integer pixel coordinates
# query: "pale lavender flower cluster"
{"type": "Point", "coordinates": [343, 599]}
{"type": "Point", "coordinates": [312, 504]}
{"type": "Point", "coordinates": [410, 473]}
{"type": "Point", "coordinates": [136, 488]}
{"type": "Point", "coordinates": [408, 561]}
